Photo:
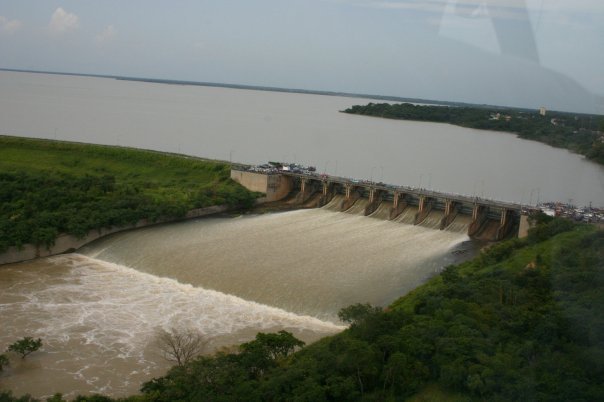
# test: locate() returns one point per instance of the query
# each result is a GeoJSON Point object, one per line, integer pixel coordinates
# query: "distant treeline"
{"type": "Point", "coordinates": [521, 322]}
{"type": "Point", "coordinates": [580, 133]}
{"type": "Point", "coordinates": [48, 188]}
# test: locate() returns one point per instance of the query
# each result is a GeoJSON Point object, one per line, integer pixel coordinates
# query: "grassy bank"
{"type": "Point", "coordinates": [51, 187]}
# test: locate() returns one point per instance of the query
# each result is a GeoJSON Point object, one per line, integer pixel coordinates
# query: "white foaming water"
{"type": "Point", "coordinates": [99, 320]}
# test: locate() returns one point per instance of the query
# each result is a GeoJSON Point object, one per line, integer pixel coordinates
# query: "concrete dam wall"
{"type": "Point", "coordinates": [275, 187]}
{"type": "Point", "coordinates": [481, 219]}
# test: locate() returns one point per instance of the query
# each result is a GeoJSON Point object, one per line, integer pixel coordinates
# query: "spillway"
{"type": "Point", "coordinates": [408, 215]}
{"type": "Point", "coordinates": [432, 221]}
{"type": "Point", "coordinates": [382, 211]}
{"type": "Point", "coordinates": [460, 224]}
{"type": "Point", "coordinates": [358, 208]}
{"type": "Point", "coordinates": [335, 203]}
{"type": "Point", "coordinates": [488, 230]}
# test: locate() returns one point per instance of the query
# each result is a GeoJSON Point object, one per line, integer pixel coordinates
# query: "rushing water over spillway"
{"type": "Point", "coordinates": [98, 311]}
{"type": "Point", "coordinates": [310, 262]}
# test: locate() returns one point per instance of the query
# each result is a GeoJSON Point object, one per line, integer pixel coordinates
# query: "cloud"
{"type": "Point", "coordinates": [107, 35]}
{"type": "Point", "coordinates": [9, 26]}
{"type": "Point", "coordinates": [63, 22]}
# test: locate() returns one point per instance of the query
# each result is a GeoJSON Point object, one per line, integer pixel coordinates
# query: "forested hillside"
{"type": "Point", "coordinates": [522, 322]}
{"type": "Point", "coordinates": [50, 187]}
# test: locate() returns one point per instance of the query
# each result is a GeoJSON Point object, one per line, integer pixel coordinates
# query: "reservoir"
{"type": "Point", "coordinates": [98, 310]}
{"type": "Point", "coordinates": [257, 126]}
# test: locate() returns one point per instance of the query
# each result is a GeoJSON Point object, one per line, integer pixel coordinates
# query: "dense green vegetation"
{"type": "Point", "coordinates": [521, 322]}
{"type": "Point", "coordinates": [579, 133]}
{"type": "Point", "coordinates": [50, 187]}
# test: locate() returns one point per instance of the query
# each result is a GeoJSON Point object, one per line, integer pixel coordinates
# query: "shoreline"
{"type": "Point", "coordinates": [65, 243]}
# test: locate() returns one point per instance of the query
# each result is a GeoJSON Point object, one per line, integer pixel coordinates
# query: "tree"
{"type": "Point", "coordinates": [25, 346]}
{"type": "Point", "coordinates": [357, 313]}
{"type": "Point", "coordinates": [267, 350]}
{"type": "Point", "coordinates": [181, 346]}
{"type": "Point", "coordinates": [3, 362]}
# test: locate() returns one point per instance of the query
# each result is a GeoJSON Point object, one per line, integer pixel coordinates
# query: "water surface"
{"type": "Point", "coordinates": [257, 126]}
{"type": "Point", "coordinates": [98, 311]}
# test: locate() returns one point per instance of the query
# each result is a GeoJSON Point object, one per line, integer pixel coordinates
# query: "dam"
{"type": "Point", "coordinates": [483, 219]}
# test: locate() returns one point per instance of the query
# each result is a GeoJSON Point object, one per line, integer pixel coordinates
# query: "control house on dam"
{"type": "Point", "coordinates": [482, 219]}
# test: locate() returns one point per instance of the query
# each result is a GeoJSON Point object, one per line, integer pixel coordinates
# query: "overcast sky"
{"type": "Point", "coordinates": [509, 52]}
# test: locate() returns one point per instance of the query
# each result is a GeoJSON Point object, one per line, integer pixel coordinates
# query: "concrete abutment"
{"type": "Point", "coordinates": [425, 206]}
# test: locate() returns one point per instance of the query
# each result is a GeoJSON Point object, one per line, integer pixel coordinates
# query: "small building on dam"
{"type": "Point", "coordinates": [482, 219]}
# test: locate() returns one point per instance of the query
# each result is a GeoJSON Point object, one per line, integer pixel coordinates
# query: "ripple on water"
{"type": "Point", "coordinates": [98, 321]}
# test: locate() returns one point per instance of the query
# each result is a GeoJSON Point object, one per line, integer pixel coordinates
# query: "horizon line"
{"type": "Point", "coordinates": [393, 98]}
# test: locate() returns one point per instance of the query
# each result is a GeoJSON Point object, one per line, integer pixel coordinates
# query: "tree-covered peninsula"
{"type": "Point", "coordinates": [580, 133]}
{"type": "Point", "coordinates": [521, 322]}
{"type": "Point", "coordinates": [51, 187]}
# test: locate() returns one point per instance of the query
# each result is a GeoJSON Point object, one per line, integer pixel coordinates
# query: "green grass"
{"type": "Point", "coordinates": [152, 170]}
{"type": "Point", "coordinates": [51, 187]}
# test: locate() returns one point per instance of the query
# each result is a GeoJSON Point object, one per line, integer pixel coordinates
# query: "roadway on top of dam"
{"type": "Point", "coordinates": [420, 192]}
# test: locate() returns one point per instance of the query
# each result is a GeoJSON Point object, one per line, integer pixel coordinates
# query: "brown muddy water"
{"type": "Point", "coordinates": [99, 310]}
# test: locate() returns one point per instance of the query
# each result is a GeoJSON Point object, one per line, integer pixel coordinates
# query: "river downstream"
{"type": "Point", "coordinates": [99, 310]}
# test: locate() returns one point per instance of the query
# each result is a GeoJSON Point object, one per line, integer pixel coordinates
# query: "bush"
{"type": "Point", "coordinates": [25, 346]}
